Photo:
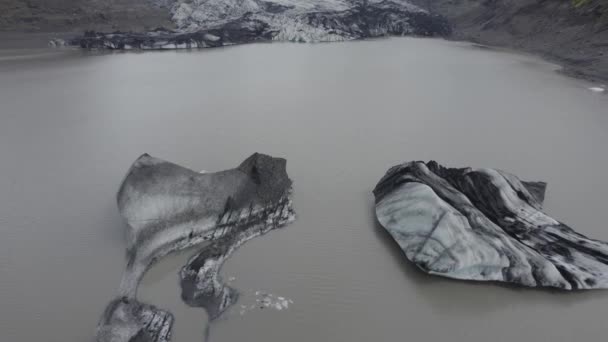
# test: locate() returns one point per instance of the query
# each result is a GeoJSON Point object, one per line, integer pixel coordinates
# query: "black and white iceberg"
{"type": "Point", "coordinates": [485, 225]}
{"type": "Point", "coordinates": [169, 208]}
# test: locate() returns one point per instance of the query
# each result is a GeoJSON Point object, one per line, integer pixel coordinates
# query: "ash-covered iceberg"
{"type": "Point", "coordinates": [486, 225]}
{"type": "Point", "coordinates": [201, 283]}
{"type": "Point", "coordinates": [213, 23]}
{"type": "Point", "coordinates": [200, 278]}
{"type": "Point", "coordinates": [169, 208]}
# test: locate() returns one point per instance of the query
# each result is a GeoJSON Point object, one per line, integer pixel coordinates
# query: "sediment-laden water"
{"type": "Point", "coordinates": [71, 123]}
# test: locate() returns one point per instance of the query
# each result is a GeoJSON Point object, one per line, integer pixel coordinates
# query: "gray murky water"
{"type": "Point", "coordinates": [72, 122]}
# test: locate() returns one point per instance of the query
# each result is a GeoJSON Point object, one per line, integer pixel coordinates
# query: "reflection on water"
{"type": "Point", "coordinates": [341, 114]}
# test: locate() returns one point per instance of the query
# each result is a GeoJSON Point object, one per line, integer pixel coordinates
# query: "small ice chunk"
{"type": "Point", "coordinates": [597, 89]}
{"type": "Point", "coordinates": [272, 301]}
{"type": "Point", "coordinates": [57, 42]}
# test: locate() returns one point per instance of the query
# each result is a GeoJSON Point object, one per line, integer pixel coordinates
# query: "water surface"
{"type": "Point", "coordinates": [72, 122]}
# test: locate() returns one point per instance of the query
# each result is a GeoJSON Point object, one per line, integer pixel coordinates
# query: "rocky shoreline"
{"type": "Point", "coordinates": [571, 33]}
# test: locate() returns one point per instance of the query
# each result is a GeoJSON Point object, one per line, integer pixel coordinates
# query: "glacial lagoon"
{"type": "Point", "coordinates": [341, 114]}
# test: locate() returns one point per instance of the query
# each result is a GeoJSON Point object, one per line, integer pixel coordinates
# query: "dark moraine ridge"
{"type": "Point", "coordinates": [486, 225]}
{"type": "Point", "coordinates": [573, 33]}
{"type": "Point", "coordinates": [170, 208]}
{"type": "Point", "coordinates": [79, 15]}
